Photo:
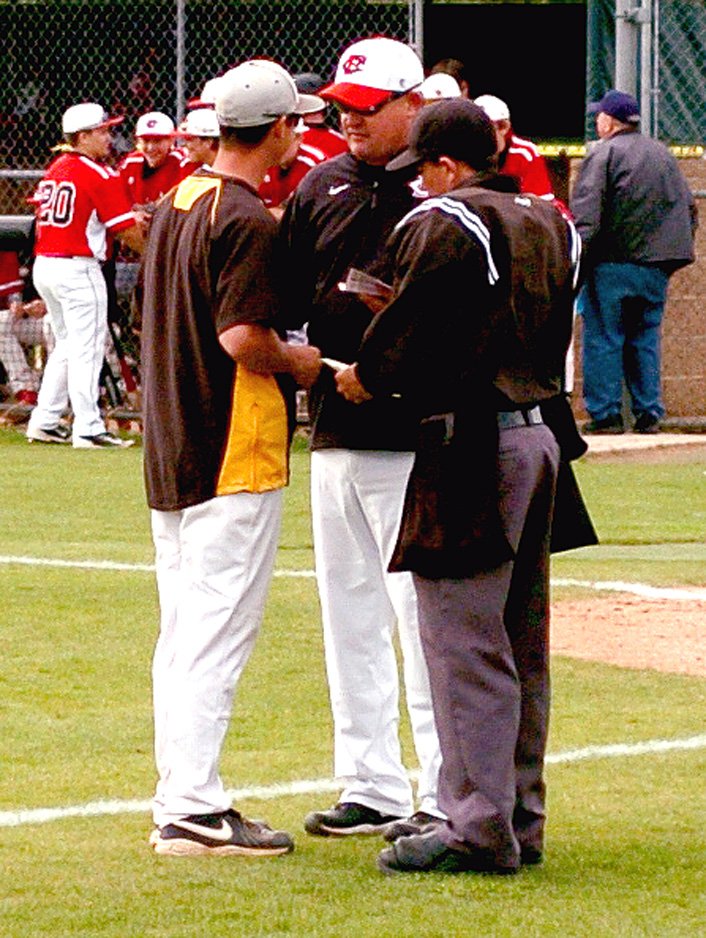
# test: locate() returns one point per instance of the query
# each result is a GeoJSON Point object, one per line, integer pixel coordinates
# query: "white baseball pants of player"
{"type": "Point", "coordinates": [357, 498]}
{"type": "Point", "coordinates": [214, 565]}
{"type": "Point", "coordinates": [74, 291]}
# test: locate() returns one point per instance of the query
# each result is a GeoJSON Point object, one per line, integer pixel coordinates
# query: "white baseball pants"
{"type": "Point", "coordinates": [214, 564]}
{"type": "Point", "coordinates": [357, 499]}
{"type": "Point", "coordinates": [74, 291]}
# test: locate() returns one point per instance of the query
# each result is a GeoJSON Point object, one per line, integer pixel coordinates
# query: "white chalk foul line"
{"type": "Point", "coordinates": [77, 564]}
{"type": "Point", "coordinates": [322, 785]}
{"type": "Point", "coordinates": [637, 589]}
{"type": "Point", "coordinates": [112, 565]}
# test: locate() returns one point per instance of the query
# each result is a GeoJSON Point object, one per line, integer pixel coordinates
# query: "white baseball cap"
{"type": "Point", "coordinates": [86, 116]}
{"type": "Point", "coordinates": [258, 92]}
{"type": "Point", "coordinates": [207, 98]}
{"type": "Point", "coordinates": [199, 123]}
{"type": "Point", "coordinates": [372, 72]}
{"type": "Point", "coordinates": [495, 108]}
{"type": "Point", "coordinates": [154, 124]}
{"type": "Point", "coordinates": [438, 86]}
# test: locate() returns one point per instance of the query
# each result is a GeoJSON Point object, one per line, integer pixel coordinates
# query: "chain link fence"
{"type": "Point", "coordinates": [667, 64]}
{"type": "Point", "coordinates": [679, 67]}
{"type": "Point", "coordinates": [135, 57]}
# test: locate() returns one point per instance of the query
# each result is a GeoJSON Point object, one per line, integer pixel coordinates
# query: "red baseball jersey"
{"type": "Point", "coordinates": [10, 280]}
{"type": "Point", "coordinates": [143, 184]}
{"type": "Point", "coordinates": [524, 161]}
{"type": "Point", "coordinates": [317, 144]}
{"type": "Point", "coordinates": [279, 183]}
{"type": "Point", "coordinates": [325, 141]}
{"type": "Point", "coordinates": [79, 204]}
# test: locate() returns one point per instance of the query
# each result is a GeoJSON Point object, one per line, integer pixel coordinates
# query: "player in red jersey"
{"type": "Point", "coordinates": [281, 180]}
{"type": "Point", "coordinates": [318, 140]}
{"type": "Point", "coordinates": [81, 205]}
{"type": "Point", "coordinates": [147, 173]}
{"type": "Point", "coordinates": [516, 157]}
{"type": "Point", "coordinates": [23, 325]}
{"type": "Point", "coordinates": [154, 167]}
{"type": "Point", "coordinates": [10, 279]}
{"type": "Point", "coordinates": [199, 132]}
{"type": "Point", "coordinates": [316, 143]}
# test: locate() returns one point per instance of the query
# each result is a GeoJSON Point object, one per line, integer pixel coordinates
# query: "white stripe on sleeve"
{"type": "Point", "coordinates": [471, 222]}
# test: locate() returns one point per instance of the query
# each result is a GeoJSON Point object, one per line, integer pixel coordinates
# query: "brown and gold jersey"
{"type": "Point", "coordinates": [211, 427]}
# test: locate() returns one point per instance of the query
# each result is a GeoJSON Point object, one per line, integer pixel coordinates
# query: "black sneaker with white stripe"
{"type": "Point", "coordinates": [102, 441]}
{"type": "Point", "coordinates": [58, 434]}
{"type": "Point", "coordinates": [224, 834]}
{"type": "Point", "coordinates": [347, 818]}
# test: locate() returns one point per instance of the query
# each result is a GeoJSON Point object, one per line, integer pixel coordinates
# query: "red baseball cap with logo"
{"type": "Point", "coordinates": [372, 72]}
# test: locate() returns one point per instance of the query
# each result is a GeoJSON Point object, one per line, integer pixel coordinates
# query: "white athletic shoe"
{"type": "Point", "coordinates": [102, 441]}
{"type": "Point", "coordinates": [58, 434]}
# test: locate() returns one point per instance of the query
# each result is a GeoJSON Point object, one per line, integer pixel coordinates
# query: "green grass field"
{"type": "Point", "coordinates": [625, 852]}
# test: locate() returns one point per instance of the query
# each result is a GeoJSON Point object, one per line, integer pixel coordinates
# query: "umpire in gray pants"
{"type": "Point", "coordinates": [478, 513]}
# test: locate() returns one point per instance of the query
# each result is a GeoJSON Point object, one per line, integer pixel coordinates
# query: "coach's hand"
{"type": "Point", "coordinates": [349, 386]}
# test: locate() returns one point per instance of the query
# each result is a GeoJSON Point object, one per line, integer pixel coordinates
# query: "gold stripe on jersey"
{"type": "Point", "coordinates": [191, 189]}
{"type": "Point", "coordinates": [257, 446]}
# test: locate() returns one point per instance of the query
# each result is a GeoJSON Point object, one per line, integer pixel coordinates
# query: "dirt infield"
{"type": "Point", "coordinates": [665, 635]}
{"type": "Point", "coordinates": [628, 631]}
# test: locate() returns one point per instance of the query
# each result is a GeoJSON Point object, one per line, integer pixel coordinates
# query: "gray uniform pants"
{"type": "Point", "coordinates": [486, 641]}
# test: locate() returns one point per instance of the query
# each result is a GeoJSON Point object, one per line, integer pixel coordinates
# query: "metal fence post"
{"type": "Point", "coordinates": [416, 26]}
{"type": "Point", "coordinates": [625, 47]}
{"type": "Point", "coordinates": [180, 84]}
{"type": "Point", "coordinates": [633, 41]}
{"type": "Point", "coordinates": [646, 97]}
{"type": "Point", "coordinates": [655, 85]}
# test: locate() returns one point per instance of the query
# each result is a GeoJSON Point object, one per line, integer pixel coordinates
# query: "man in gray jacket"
{"type": "Point", "coordinates": [636, 217]}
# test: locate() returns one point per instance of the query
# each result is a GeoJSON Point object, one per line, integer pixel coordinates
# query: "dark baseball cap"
{"type": "Point", "coordinates": [308, 82]}
{"type": "Point", "coordinates": [618, 104]}
{"type": "Point", "coordinates": [455, 127]}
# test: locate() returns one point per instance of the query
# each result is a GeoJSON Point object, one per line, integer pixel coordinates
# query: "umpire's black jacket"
{"type": "Point", "coordinates": [484, 283]}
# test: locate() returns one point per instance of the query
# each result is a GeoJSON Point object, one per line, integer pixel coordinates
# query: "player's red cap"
{"type": "Point", "coordinates": [372, 72]}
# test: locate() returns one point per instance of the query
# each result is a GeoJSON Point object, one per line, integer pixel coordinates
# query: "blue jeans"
{"type": "Point", "coordinates": [622, 306]}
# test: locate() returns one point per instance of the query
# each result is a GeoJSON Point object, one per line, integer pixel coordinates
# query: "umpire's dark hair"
{"type": "Point", "coordinates": [455, 127]}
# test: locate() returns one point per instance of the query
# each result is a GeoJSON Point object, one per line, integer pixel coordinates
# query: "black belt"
{"type": "Point", "coordinates": [506, 419]}
{"type": "Point", "coordinates": [519, 418]}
